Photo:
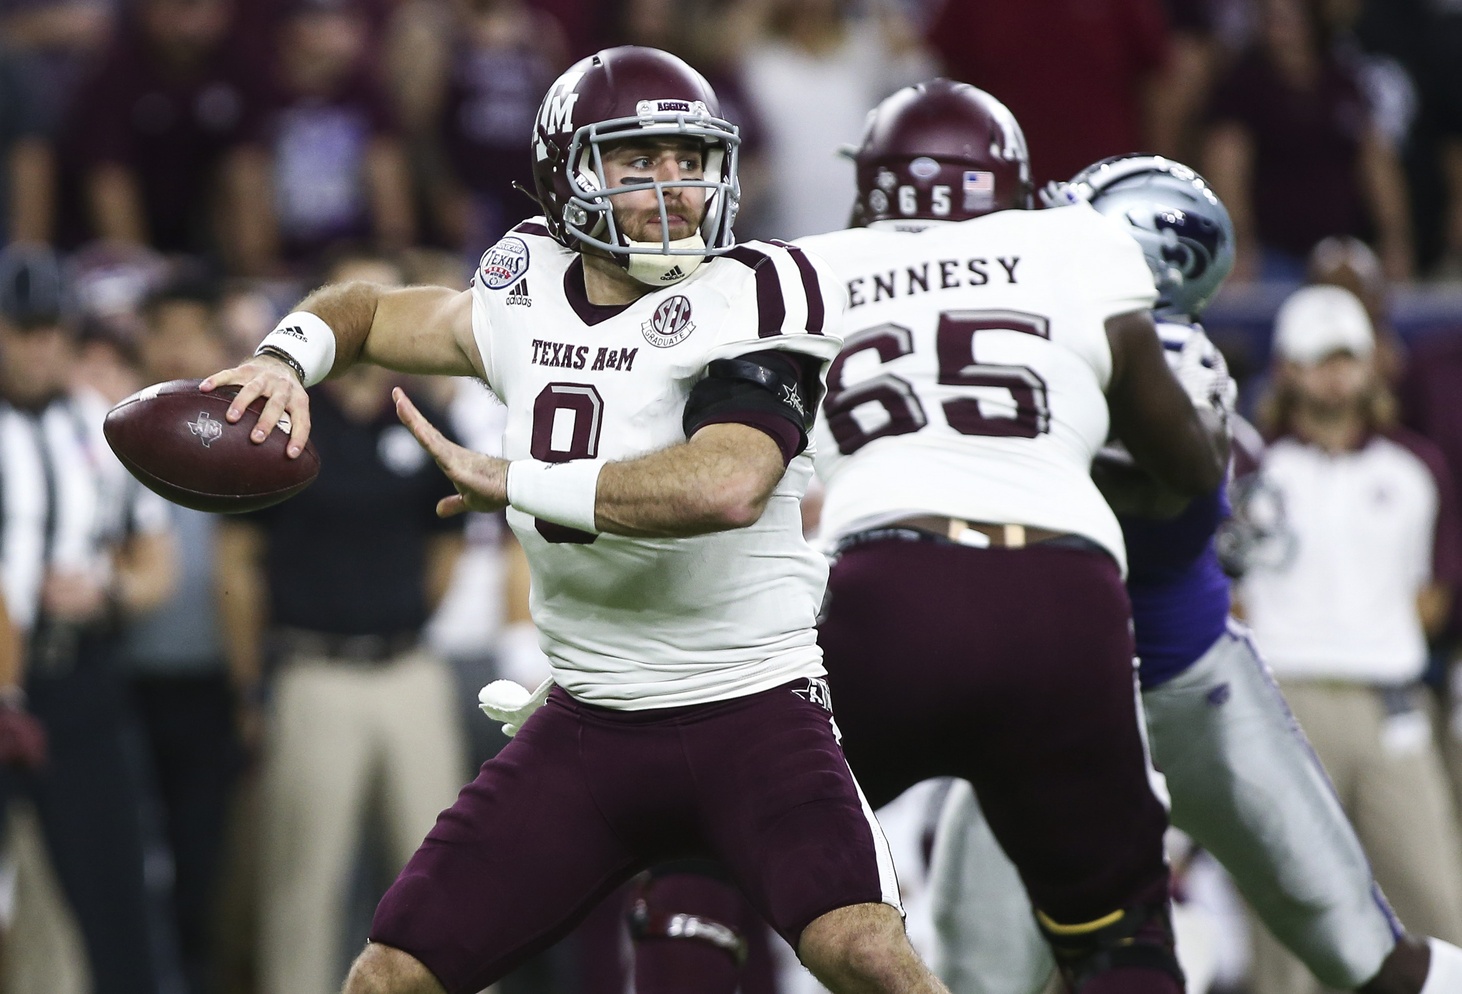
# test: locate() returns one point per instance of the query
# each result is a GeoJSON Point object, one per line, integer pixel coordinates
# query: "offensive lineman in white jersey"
{"type": "Point", "coordinates": [976, 623]}
{"type": "Point", "coordinates": [1245, 783]}
{"type": "Point", "coordinates": [659, 381]}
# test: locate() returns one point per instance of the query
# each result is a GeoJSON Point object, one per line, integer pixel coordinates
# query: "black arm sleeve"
{"type": "Point", "coordinates": [776, 392]}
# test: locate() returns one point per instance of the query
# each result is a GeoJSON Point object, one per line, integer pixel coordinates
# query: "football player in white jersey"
{"type": "Point", "coordinates": [976, 623]}
{"type": "Point", "coordinates": [660, 381]}
{"type": "Point", "coordinates": [1244, 781]}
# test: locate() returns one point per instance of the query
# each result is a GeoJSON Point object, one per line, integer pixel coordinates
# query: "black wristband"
{"type": "Point", "coordinates": [291, 361]}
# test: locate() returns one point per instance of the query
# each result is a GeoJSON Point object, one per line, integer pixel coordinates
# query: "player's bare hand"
{"type": "Point", "coordinates": [286, 403]}
{"type": "Point", "coordinates": [481, 480]}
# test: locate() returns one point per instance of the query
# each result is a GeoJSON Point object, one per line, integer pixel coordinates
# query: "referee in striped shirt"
{"type": "Point", "coordinates": [79, 548]}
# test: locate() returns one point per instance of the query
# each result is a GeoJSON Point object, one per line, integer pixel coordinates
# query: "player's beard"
{"type": "Point", "coordinates": [641, 230]}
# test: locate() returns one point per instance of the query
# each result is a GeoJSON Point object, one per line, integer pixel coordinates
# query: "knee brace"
{"type": "Point", "coordinates": [1139, 936]}
{"type": "Point", "coordinates": [650, 918]}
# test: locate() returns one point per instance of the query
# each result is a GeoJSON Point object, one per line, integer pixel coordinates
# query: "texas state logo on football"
{"type": "Point", "coordinates": [504, 263]}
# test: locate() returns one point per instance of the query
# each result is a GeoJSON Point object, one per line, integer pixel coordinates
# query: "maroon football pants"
{"type": "Point", "coordinates": [1013, 669]}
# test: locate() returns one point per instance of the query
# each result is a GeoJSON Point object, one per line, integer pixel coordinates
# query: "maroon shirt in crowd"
{"type": "Point", "coordinates": [1305, 182]}
{"type": "Point", "coordinates": [255, 33]}
{"type": "Point", "coordinates": [487, 117]}
{"type": "Point", "coordinates": [1071, 71]}
{"type": "Point", "coordinates": [1430, 392]}
{"type": "Point", "coordinates": [171, 132]}
{"type": "Point", "coordinates": [318, 147]}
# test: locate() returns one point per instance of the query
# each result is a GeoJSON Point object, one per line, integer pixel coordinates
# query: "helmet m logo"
{"type": "Point", "coordinates": [558, 106]}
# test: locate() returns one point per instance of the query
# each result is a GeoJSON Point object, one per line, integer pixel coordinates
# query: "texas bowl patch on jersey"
{"type": "Point", "coordinates": [670, 323]}
{"type": "Point", "coordinates": [504, 262]}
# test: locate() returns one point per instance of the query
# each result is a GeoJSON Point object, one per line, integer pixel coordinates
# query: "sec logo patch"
{"type": "Point", "coordinates": [670, 323]}
{"type": "Point", "coordinates": [504, 263]}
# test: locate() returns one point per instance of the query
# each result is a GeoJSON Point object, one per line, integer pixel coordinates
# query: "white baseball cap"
{"type": "Point", "coordinates": [1316, 321]}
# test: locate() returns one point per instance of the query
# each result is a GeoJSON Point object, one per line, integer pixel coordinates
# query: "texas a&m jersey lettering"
{"type": "Point", "coordinates": [638, 623]}
{"type": "Point", "coordinates": [566, 355]}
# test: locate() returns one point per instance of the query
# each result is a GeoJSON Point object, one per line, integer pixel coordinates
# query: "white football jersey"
{"type": "Point", "coordinates": [636, 623]}
{"type": "Point", "coordinates": [972, 380]}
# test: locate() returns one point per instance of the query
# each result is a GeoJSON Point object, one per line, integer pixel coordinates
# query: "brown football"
{"type": "Point", "coordinates": [177, 441]}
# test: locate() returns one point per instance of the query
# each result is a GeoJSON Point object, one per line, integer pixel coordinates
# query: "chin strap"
{"type": "Point", "coordinates": [659, 269]}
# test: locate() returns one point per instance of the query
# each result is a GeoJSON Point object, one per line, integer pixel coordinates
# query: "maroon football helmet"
{"type": "Point", "coordinates": [615, 94]}
{"type": "Point", "coordinates": [940, 151]}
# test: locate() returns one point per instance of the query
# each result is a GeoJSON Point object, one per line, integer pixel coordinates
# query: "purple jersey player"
{"type": "Point", "coordinates": [1243, 781]}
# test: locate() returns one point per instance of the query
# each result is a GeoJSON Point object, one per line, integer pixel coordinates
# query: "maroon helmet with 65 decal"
{"type": "Point", "coordinates": [940, 151]}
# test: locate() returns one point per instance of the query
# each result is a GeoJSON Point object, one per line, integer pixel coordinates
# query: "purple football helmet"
{"type": "Point", "coordinates": [620, 93]}
{"type": "Point", "coordinates": [940, 151]}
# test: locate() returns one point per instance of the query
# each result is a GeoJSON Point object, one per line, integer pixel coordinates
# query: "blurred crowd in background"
{"type": "Point", "coordinates": [175, 174]}
{"type": "Point", "coordinates": [256, 135]}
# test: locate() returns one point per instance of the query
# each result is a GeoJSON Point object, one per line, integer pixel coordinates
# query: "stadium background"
{"type": "Point", "coordinates": [252, 144]}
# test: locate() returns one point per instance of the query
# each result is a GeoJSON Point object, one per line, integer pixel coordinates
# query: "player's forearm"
{"type": "Point", "coordinates": [1198, 465]}
{"type": "Point", "coordinates": [1132, 492]}
{"type": "Point", "coordinates": [414, 329]}
{"type": "Point", "coordinates": [1183, 448]}
{"type": "Point", "coordinates": [720, 480]}
{"type": "Point", "coordinates": [350, 310]}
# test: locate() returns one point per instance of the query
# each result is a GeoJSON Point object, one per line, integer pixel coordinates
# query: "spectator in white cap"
{"type": "Point", "coordinates": [1317, 322]}
{"type": "Point", "coordinates": [1343, 597]}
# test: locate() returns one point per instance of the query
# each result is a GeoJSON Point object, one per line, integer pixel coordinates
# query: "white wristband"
{"type": "Point", "coordinates": [560, 492]}
{"type": "Point", "coordinates": [306, 339]}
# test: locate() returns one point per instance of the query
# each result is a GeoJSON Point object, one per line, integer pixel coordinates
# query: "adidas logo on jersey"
{"type": "Point", "coordinates": [674, 274]}
{"type": "Point", "coordinates": [519, 294]}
